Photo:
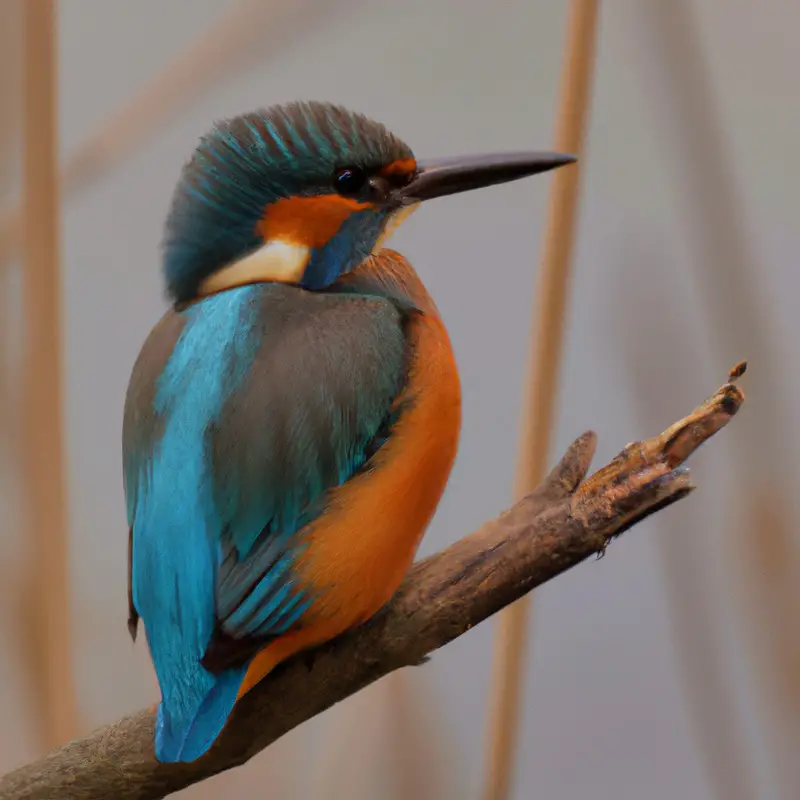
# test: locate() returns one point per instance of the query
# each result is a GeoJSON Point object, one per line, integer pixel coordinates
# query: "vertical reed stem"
{"type": "Point", "coordinates": [43, 445]}
{"type": "Point", "coordinates": [545, 357]}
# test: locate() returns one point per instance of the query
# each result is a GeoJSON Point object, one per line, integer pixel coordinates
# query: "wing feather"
{"type": "Point", "coordinates": [242, 412]}
{"type": "Point", "coordinates": [320, 393]}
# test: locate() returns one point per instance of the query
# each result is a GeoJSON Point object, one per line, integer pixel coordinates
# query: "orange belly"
{"type": "Point", "coordinates": [359, 551]}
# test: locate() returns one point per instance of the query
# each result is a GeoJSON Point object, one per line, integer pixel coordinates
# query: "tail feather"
{"type": "Point", "coordinates": [186, 737]}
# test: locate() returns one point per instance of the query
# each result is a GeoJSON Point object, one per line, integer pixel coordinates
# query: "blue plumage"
{"type": "Point", "coordinates": [266, 397]}
{"type": "Point", "coordinates": [246, 407]}
{"type": "Point", "coordinates": [250, 405]}
{"type": "Point", "coordinates": [176, 525]}
{"type": "Point", "coordinates": [349, 246]}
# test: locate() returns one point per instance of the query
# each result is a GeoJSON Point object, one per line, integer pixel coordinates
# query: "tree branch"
{"type": "Point", "coordinates": [556, 527]}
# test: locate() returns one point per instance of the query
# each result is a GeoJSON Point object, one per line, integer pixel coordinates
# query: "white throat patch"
{"type": "Point", "coordinates": [281, 262]}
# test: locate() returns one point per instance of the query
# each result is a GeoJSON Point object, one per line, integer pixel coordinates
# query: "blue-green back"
{"type": "Point", "coordinates": [242, 411]}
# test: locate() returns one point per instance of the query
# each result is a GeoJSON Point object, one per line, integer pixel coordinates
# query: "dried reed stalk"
{"type": "Point", "coordinates": [43, 371]}
{"type": "Point", "coordinates": [539, 409]}
{"type": "Point", "coordinates": [10, 114]}
{"type": "Point", "coordinates": [214, 55]}
{"type": "Point", "coordinates": [739, 320]}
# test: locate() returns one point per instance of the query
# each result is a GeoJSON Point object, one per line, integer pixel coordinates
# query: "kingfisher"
{"type": "Point", "coordinates": [292, 420]}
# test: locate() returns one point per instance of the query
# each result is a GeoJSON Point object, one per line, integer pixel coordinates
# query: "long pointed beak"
{"type": "Point", "coordinates": [448, 176]}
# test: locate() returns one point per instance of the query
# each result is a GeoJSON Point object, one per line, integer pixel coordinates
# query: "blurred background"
{"type": "Point", "coordinates": [671, 668]}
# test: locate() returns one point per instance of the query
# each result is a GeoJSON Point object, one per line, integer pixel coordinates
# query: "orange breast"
{"type": "Point", "coordinates": [361, 548]}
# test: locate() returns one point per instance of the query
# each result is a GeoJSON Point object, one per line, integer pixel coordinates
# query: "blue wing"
{"type": "Point", "coordinates": [241, 412]}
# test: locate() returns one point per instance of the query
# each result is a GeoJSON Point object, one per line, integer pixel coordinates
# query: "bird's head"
{"type": "Point", "coordinates": [302, 193]}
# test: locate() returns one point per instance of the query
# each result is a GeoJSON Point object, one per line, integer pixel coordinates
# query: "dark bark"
{"type": "Point", "coordinates": [563, 522]}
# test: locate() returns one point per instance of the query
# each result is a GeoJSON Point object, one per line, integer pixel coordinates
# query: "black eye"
{"type": "Point", "coordinates": [349, 181]}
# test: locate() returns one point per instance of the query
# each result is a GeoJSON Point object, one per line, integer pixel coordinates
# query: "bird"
{"type": "Point", "coordinates": [292, 420]}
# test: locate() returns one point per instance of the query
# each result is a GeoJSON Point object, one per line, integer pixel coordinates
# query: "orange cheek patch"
{"type": "Point", "coordinates": [404, 168]}
{"type": "Point", "coordinates": [308, 221]}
